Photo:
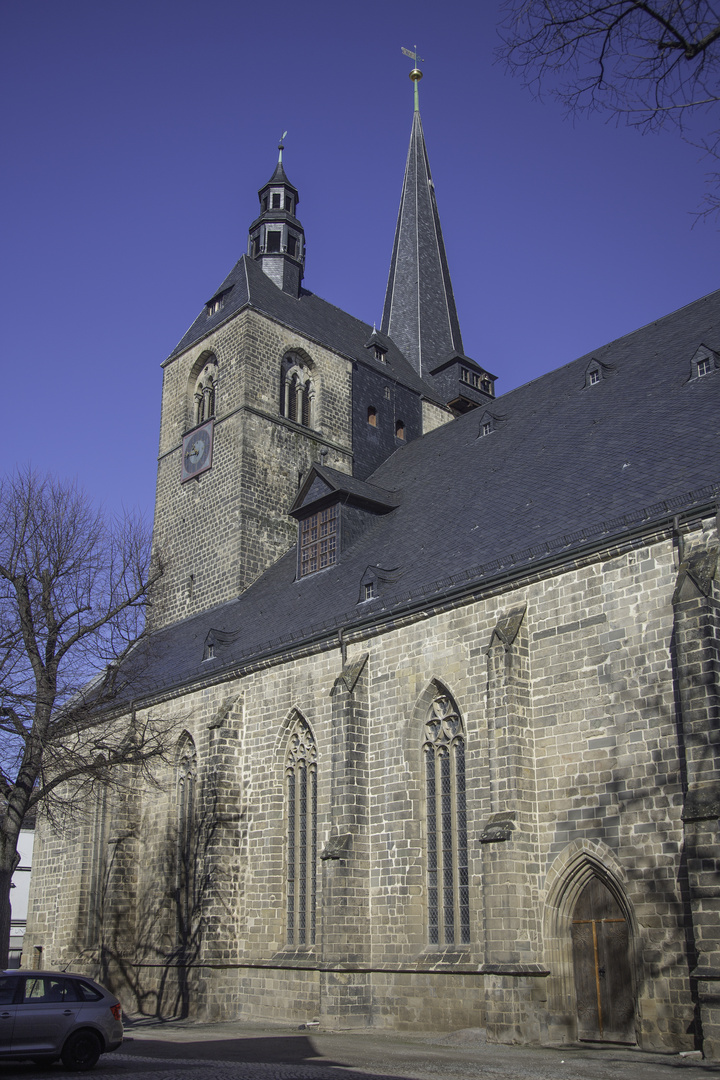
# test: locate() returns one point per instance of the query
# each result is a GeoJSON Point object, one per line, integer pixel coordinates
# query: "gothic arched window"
{"type": "Point", "coordinates": [205, 392]}
{"type": "Point", "coordinates": [301, 817]}
{"type": "Point", "coordinates": [447, 849]}
{"type": "Point", "coordinates": [185, 779]}
{"type": "Point", "coordinates": [296, 390]}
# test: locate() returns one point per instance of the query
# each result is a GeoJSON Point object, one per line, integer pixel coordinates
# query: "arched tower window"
{"type": "Point", "coordinates": [296, 390]}
{"type": "Point", "coordinates": [447, 849]}
{"type": "Point", "coordinates": [204, 393]}
{"type": "Point", "coordinates": [301, 818]}
{"type": "Point", "coordinates": [185, 777]}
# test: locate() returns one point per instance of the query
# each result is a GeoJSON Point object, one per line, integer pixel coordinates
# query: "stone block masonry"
{"type": "Point", "coordinates": [578, 767]}
{"type": "Point", "coordinates": [219, 531]}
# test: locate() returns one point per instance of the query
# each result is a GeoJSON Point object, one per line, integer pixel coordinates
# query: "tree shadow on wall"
{"type": "Point", "coordinates": [158, 971]}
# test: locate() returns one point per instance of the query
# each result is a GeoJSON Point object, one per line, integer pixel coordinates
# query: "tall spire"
{"type": "Point", "coordinates": [419, 312]}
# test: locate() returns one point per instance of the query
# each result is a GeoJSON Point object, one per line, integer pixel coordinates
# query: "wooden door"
{"type": "Point", "coordinates": [601, 965]}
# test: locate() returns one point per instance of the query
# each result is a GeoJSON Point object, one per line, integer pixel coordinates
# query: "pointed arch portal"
{"type": "Point", "coordinates": [601, 966]}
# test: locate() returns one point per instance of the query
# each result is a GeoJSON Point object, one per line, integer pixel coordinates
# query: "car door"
{"type": "Point", "coordinates": [44, 1014]}
{"type": "Point", "coordinates": [8, 1008]}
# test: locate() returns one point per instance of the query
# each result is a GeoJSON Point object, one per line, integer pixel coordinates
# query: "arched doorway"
{"type": "Point", "coordinates": [601, 966]}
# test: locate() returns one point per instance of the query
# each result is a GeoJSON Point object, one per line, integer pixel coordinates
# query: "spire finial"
{"type": "Point", "coordinates": [416, 74]}
{"type": "Point", "coordinates": [281, 147]}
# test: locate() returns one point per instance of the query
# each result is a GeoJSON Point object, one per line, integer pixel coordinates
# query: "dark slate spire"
{"type": "Point", "coordinates": [277, 239]}
{"type": "Point", "coordinates": [419, 313]}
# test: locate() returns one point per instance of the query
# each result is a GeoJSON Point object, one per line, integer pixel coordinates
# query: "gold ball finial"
{"type": "Point", "coordinates": [416, 74]}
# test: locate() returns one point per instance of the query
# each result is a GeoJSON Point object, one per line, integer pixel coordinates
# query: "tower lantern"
{"type": "Point", "coordinates": [277, 239]}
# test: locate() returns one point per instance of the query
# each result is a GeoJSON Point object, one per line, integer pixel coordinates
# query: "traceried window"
{"type": "Point", "coordinates": [296, 390]}
{"type": "Point", "coordinates": [301, 818]}
{"type": "Point", "coordinates": [186, 774]}
{"type": "Point", "coordinates": [318, 540]}
{"type": "Point", "coordinates": [447, 848]}
{"type": "Point", "coordinates": [205, 393]}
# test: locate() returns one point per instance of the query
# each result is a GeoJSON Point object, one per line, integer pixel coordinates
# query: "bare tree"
{"type": "Point", "coordinates": [73, 591]}
{"type": "Point", "coordinates": [653, 64]}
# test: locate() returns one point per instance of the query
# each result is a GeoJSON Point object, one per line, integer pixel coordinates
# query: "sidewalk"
{"type": "Point", "coordinates": [287, 1052]}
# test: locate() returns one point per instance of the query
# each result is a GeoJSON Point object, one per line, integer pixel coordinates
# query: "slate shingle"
{"type": "Point", "coordinates": [568, 463]}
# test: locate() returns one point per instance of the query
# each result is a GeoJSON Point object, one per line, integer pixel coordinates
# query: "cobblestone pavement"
{"type": "Point", "coordinates": [237, 1051]}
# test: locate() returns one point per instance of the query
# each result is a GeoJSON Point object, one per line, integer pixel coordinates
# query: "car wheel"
{"type": "Point", "coordinates": [81, 1051]}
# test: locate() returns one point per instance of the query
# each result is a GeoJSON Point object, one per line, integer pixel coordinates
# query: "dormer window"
{"type": "Point", "coordinates": [215, 305]}
{"type": "Point", "coordinates": [318, 541]}
{"type": "Point", "coordinates": [486, 428]}
{"type": "Point", "coordinates": [703, 362]}
{"type": "Point", "coordinates": [369, 591]}
{"type": "Point", "coordinates": [379, 354]}
{"type": "Point", "coordinates": [593, 377]}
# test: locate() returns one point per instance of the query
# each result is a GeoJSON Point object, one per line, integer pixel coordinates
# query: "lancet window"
{"type": "Point", "coordinates": [447, 848]}
{"type": "Point", "coordinates": [296, 391]}
{"type": "Point", "coordinates": [301, 842]}
{"type": "Point", "coordinates": [205, 393]}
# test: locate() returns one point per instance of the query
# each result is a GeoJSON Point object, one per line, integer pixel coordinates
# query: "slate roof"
{"type": "Point", "coordinates": [345, 484]}
{"type": "Point", "coordinates": [566, 464]}
{"type": "Point", "coordinates": [279, 177]}
{"type": "Point", "coordinates": [419, 312]}
{"type": "Point", "coordinates": [247, 286]}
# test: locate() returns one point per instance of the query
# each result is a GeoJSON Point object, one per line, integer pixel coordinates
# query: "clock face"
{"type": "Point", "coordinates": [197, 451]}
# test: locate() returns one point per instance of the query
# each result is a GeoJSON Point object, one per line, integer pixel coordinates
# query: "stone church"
{"type": "Point", "coordinates": [444, 670]}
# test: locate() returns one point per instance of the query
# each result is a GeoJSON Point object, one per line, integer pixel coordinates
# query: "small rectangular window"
{"type": "Point", "coordinates": [703, 367]}
{"type": "Point", "coordinates": [288, 204]}
{"type": "Point", "coordinates": [594, 377]}
{"type": "Point", "coordinates": [486, 428]}
{"type": "Point", "coordinates": [369, 591]}
{"type": "Point", "coordinates": [276, 200]}
{"type": "Point", "coordinates": [292, 245]}
{"type": "Point", "coordinates": [272, 240]}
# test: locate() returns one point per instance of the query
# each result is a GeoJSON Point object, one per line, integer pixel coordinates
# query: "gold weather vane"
{"type": "Point", "coordinates": [416, 74]}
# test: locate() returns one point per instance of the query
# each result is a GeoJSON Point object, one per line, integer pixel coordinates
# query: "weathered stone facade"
{"type": "Point", "coordinates": [578, 764]}
{"type": "Point", "coordinates": [464, 771]}
{"type": "Point", "coordinates": [220, 530]}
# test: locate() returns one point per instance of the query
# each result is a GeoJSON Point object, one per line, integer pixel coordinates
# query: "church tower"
{"type": "Point", "coordinates": [419, 312]}
{"type": "Point", "coordinates": [271, 379]}
{"type": "Point", "coordinates": [249, 402]}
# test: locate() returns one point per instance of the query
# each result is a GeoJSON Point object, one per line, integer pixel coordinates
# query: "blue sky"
{"type": "Point", "coordinates": [135, 138]}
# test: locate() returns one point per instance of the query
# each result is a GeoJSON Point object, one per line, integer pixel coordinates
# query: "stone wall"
{"type": "Point", "coordinates": [567, 684]}
{"type": "Point", "coordinates": [218, 531]}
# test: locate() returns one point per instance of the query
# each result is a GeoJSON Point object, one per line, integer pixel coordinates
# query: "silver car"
{"type": "Point", "coordinates": [46, 1015]}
